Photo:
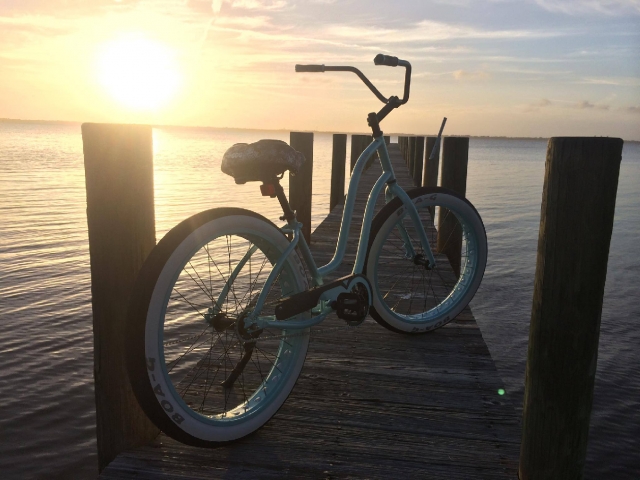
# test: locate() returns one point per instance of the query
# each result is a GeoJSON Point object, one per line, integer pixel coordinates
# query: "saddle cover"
{"type": "Point", "coordinates": [260, 161]}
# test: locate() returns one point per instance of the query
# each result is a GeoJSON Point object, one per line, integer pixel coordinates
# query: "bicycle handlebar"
{"type": "Point", "coordinates": [387, 60]}
{"type": "Point", "coordinates": [380, 59]}
{"type": "Point", "coordinates": [309, 68]}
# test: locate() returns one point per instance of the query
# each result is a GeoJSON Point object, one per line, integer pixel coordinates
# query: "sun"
{"type": "Point", "coordinates": [141, 74]}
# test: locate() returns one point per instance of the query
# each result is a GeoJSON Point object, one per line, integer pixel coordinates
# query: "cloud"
{"type": "Point", "coordinates": [215, 6]}
{"type": "Point", "coordinates": [63, 7]}
{"type": "Point", "coordinates": [259, 4]}
{"type": "Point", "coordinates": [582, 105]}
{"type": "Point", "coordinates": [429, 30]}
{"type": "Point", "coordinates": [467, 75]}
{"type": "Point", "coordinates": [534, 107]}
{"type": "Point", "coordinates": [16, 29]}
{"type": "Point", "coordinates": [204, 6]}
{"type": "Point", "coordinates": [245, 22]}
{"type": "Point", "coordinates": [585, 104]}
{"type": "Point", "coordinates": [617, 81]}
{"type": "Point", "coordinates": [578, 7]}
{"type": "Point", "coordinates": [633, 109]}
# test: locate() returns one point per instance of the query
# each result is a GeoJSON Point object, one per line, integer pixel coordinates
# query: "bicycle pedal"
{"type": "Point", "coordinates": [351, 307]}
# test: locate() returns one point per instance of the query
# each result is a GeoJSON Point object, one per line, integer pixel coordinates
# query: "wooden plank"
{"type": "Point", "coordinates": [369, 403]}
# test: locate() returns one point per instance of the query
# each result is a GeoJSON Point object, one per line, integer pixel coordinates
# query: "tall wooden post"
{"type": "Point", "coordinates": [410, 150]}
{"type": "Point", "coordinates": [358, 144]}
{"type": "Point", "coordinates": [576, 220]}
{"type": "Point", "coordinates": [405, 144]}
{"type": "Point", "coordinates": [338, 161]}
{"type": "Point", "coordinates": [418, 161]}
{"type": "Point", "coordinates": [300, 185]}
{"type": "Point", "coordinates": [387, 140]}
{"type": "Point", "coordinates": [118, 164]}
{"type": "Point", "coordinates": [455, 156]}
{"type": "Point", "coordinates": [430, 177]}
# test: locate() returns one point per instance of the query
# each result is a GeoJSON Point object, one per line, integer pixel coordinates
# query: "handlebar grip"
{"type": "Point", "coordinates": [309, 68]}
{"type": "Point", "coordinates": [386, 60]}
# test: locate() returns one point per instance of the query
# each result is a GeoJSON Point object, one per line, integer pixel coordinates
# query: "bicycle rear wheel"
{"type": "Point", "coordinates": [199, 372]}
{"type": "Point", "coordinates": [408, 297]}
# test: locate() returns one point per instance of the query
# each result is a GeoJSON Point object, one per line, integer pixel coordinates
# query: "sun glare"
{"type": "Point", "coordinates": [140, 73]}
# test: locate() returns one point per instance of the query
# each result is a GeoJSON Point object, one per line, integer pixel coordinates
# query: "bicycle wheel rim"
{"type": "Point", "coordinates": [261, 400]}
{"type": "Point", "coordinates": [437, 295]}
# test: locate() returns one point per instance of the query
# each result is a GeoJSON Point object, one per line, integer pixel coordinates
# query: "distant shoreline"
{"type": "Point", "coordinates": [181, 127]}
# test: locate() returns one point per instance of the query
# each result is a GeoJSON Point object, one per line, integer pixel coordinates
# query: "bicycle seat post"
{"type": "Point", "coordinates": [273, 188]}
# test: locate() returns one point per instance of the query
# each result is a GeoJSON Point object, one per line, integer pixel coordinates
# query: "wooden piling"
{"type": "Point", "coordinates": [418, 161]}
{"type": "Point", "coordinates": [455, 156]}
{"type": "Point", "coordinates": [387, 140]}
{"type": "Point", "coordinates": [578, 203]}
{"type": "Point", "coordinates": [358, 144]}
{"type": "Point", "coordinates": [430, 176]}
{"type": "Point", "coordinates": [118, 163]}
{"type": "Point", "coordinates": [338, 161]}
{"type": "Point", "coordinates": [411, 148]}
{"type": "Point", "coordinates": [300, 185]}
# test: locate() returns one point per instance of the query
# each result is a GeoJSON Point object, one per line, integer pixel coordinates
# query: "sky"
{"type": "Point", "coordinates": [524, 68]}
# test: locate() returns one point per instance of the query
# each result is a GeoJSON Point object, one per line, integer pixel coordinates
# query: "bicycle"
{"type": "Point", "coordinates": [221, 313]}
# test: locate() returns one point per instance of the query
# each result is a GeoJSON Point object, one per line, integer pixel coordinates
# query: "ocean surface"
{"type": "Point", "coordinates": [47, 418]}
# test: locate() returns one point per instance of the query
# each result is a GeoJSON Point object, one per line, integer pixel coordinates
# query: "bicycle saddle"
{"type": "Point", "coordinates": [260, 161]}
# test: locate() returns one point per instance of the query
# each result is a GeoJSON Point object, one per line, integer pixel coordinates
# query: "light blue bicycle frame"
{"type": "Point", "coordinates": [319, 273]}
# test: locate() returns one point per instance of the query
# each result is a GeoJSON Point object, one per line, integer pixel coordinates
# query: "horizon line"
{"type": "Point", "coordinates": [199, 127]}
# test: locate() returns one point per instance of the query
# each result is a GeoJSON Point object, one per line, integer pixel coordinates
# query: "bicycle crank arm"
{"type": "Point", "coordinates": [305, 301]}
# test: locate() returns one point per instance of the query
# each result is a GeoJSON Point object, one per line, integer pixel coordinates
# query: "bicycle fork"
{"type": "Point", "coordinates": [393, 190]}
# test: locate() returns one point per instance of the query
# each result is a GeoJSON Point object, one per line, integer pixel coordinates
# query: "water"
{"type": "Point", "coordinates": [47, 426]}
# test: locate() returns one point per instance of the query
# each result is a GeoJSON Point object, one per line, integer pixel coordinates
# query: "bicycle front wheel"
{"type": "Point", "coordinates": [407, 295]}
{"type": "Point", "coordinates": [200, 372]}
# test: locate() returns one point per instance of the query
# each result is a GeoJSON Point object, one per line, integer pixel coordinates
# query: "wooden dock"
{"type": "Point", "coordinates": [369, 403]}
